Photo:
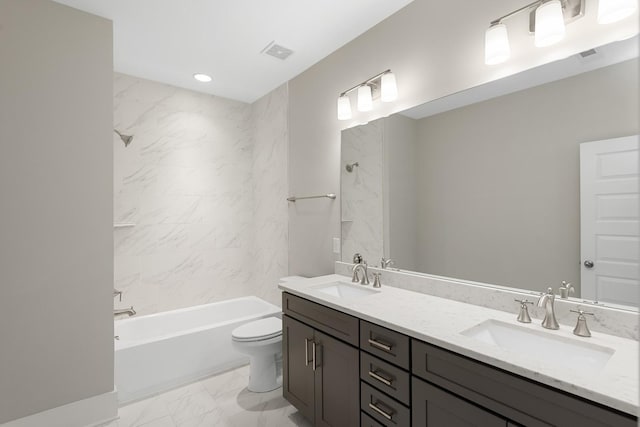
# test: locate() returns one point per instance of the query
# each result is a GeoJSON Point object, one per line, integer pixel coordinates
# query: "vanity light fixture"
{"type": "Point", "coordinates": [549, 24]}
{"type": "Point", "coordinates": [547, 20]}
{"type": "Point", "coordinates": [610, 11]}
{"type": "Point", "coordinates": [365, 99]}
{"type": "Point", "coordinates": [384, 83]}
{"type": "Point", "coordinates": [204, 78]}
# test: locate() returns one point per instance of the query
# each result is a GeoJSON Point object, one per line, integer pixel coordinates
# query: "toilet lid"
{"type": "Point", "coordinates": [263, 329]}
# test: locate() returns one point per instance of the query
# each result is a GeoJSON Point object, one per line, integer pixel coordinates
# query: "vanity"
{"type": "Point", "coordinates": [358, 356]}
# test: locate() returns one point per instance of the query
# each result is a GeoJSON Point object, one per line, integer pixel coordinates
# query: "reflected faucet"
{"type": "Point", "coordinates": [547, 301]}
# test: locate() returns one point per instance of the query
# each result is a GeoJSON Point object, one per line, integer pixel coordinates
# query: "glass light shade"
{"type": "Point", "coordinates": [496, 45]}
{"type": "Point", "coordinates": [365, 101]}
{"type": "Point", "coordinates": [389, 90]}
{"type": "Point", "coordinates": [344, 108]}
{"type": "Point", "coordinates": [549, 24]}
{"type": "Point", "coordinates": [610, 11]}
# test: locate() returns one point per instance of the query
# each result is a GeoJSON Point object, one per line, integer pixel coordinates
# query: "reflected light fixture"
{"type": "Point", "coordinates": [383, 84]}
{"type": "Point", "coordinates": [547, 21]}
{"type": "Point", "coordinates": [549, 24]}
{"type": "Point", "coordinates": [610, 11]}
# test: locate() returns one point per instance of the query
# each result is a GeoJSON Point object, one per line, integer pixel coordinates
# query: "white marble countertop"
{"type": "Point", "coordinates": [440, 322]}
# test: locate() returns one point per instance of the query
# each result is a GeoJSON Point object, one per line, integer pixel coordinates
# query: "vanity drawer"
{"type": "Point", "coordinates": [328, 320]}
{"type": "Point", "coordinates": [382, 408]}
{"type": "Point", "coordinates": [384, 343]}
{"type": "Point", "coordinates": [516, 398]}
{"type": "Point", "coordinates": [386, 377]}
{"type": "Point", "coordinates": [367, 421]}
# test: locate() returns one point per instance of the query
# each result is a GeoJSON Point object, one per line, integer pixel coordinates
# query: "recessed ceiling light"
{"type": "Point", "coordinates": [204, 78]}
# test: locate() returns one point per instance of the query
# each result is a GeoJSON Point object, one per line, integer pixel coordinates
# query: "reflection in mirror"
{"type": "Point", "coordinates": [485, 185]}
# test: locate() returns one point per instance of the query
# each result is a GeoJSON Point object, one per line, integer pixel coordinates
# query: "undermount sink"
{"type": "Point", "coordinates": [344, 290]}
{"type": "Point", "coordinates": [541, 345]}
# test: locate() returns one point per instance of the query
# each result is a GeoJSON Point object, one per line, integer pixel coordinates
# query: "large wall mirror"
{"type": "Point", "coordinates": [485, 185]}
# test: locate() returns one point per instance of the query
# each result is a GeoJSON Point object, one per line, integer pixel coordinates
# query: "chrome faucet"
{"type": "Point", "coordinates": [130, 311]}
{"type": "Point", "coordinates": [365, 276]}
{"type": "Point", "coordinates": [547, 301]}
{"type": "Point", "coordinates": [384, 263]}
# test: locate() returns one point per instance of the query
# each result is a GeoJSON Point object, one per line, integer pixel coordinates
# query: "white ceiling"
{"type": "Point", "coordinates": [170, 40]}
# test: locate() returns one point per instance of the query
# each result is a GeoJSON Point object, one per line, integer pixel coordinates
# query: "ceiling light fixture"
{"type": "Point", "coordinates": [204, 78]}
{"type": "Point", "coordinates": [383, 83]}
{"type": "Point", "coordinates": [547, 23]}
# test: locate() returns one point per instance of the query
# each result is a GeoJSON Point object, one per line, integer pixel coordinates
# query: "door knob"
{"type": "Point", "coordinates": [588, 263]}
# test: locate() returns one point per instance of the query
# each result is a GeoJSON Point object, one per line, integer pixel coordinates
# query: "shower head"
{"type": "Point", "coordinates": [125, 138]}
{"type": "Point", "coordinates": [349, 167]}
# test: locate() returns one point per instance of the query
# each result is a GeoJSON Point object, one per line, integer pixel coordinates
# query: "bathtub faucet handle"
{"type": "Point", "coordinates": [118, 294]}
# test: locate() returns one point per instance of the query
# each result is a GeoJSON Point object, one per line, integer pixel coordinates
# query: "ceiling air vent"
{"type": "Point", "coordinates": [588, 53]}
{"type": "Point", "coordinates": [277, 51]}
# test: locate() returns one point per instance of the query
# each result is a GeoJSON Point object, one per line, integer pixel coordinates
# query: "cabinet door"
{"type": "Point", "coordinates": [337, 383]}
{"type": "Point", "coordinates": [298, 374]}
{"type": "Point", "coordinates": [434, 407]}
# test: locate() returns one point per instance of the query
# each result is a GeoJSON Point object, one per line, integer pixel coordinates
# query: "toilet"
{"type": "Point", "coordinates": [261, 340]}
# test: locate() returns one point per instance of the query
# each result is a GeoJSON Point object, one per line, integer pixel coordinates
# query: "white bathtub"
{"type": "Point", "coordinates": [161, 351]}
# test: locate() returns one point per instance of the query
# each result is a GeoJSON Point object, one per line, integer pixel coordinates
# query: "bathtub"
{"type": "Point", "coordinates": [160, 351]}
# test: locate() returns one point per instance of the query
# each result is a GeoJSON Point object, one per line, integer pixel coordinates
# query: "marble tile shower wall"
{"type": "Point", "coordinates": [186, 182]}
{"type": "Point", "coordinates": [270, 190]}
{"type": "Point", "coordinates": [361, 192]}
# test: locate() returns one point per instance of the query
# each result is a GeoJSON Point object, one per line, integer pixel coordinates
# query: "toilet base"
{"type": "Point", "coordinates": [265, 373]}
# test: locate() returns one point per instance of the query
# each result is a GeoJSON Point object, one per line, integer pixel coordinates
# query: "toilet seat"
{"type": "Point", "coordinates": [259, 330]}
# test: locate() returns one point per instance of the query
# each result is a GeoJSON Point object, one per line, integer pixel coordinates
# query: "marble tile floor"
{"type": "Point", "coordinates": [218, 401]}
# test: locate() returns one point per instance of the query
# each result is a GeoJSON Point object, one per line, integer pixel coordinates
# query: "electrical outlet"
{"type": "Point", "coordinates": [336, 245]}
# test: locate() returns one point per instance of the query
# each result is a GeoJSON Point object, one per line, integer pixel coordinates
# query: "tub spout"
{"type": "Point", "coordinates": [130, 311]}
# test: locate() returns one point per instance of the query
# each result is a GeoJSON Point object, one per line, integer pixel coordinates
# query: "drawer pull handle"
{"type": "Point", "coordinates": [380, 411]}
{"type": "Point", "coordinates": [380, 345]}
{"type": "Point", "coordinates": [313, 354]}
{"type": "Point", "coordinates": [376, 375]}
{"type": "Point", "coordinates": [306, 352]}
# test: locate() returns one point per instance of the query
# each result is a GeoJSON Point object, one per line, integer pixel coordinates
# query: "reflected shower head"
{"type": "Point", "coordinates": [349, 167]}
{"type": "Point", "coordinates": [125, 138]}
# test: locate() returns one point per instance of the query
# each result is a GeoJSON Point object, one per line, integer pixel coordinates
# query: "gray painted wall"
{"type": "Point", "coordinates": [56, 250]}
{"type": "Point", "coordinates": [434, 52]}
{"type": "Point", "coordinates": [499, 180]}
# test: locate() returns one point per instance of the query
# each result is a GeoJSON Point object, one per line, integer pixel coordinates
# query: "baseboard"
{"type": "Point", "coordinates": [93, 411]}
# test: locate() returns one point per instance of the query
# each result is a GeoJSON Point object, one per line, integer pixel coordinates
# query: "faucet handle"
{"type": "Point", "coordinates": [376, 280]}
{"type": "Point", "coordinates": [523, 316]}
{"type": "Point", "coordinates": [581, 329]}
{"type": "Point", "coordinates": [118, 294]}
{"type": "Point", "coordinates": [582, 312]}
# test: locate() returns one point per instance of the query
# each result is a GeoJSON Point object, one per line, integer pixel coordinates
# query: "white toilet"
{"type": "Point", "coordinates": [261, 340]}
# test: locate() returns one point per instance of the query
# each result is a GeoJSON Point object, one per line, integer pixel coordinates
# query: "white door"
{"type": "Point", "coordinates": [609, 220]}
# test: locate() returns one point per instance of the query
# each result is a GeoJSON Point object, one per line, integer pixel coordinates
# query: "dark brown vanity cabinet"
{"type": "Point", "coordinates": [320, 372]}
{"type": "Point", "coordinates": [342, 371]}
{"type": "Point", "coordinates": [450, 389]}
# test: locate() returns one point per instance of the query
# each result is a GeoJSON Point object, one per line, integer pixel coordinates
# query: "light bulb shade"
{"type": "Point", "coordinates": [344, 108]}
{"type": "Point", "coordinates": [388, 90]}
{"type": "Point", "coordinates": [549, 23]}
{"type": "Point", "coordinates": [610, 11]}
{"type": "Point", "coordinates": [496, 45]}
{"type": "Point", "coordinates": [365, 101]}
